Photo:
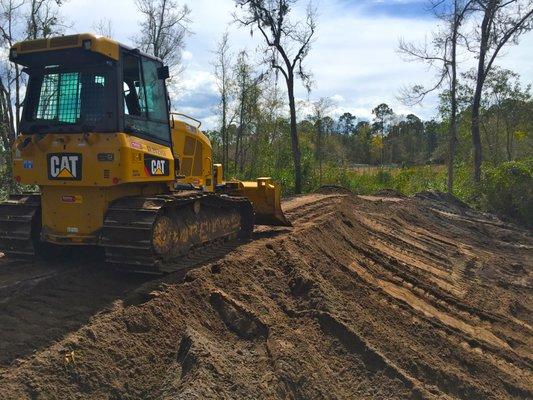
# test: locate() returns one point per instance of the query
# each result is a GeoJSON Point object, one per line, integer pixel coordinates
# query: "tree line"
{"type": "Point", "coordinates": [487, 105]}
{"type": "Point", "coordinates": [256, 138]}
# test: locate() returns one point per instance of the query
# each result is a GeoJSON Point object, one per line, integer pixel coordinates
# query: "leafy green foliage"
{"type": "Point", "coordinates": [508, 189]}
{"type": "Point", "coordinates": [408, 181]}
{"type": "Point", "coordinates": [8, 185]}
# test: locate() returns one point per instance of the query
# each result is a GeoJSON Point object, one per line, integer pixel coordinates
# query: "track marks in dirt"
{"type": "Point", "coordinates": [422, 306]}
{"type": "Point", "coordinates": [237, 318]}
{"type": "Point", "coordinates": [363, 298]}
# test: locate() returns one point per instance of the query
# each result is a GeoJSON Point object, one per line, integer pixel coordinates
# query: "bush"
{"type": "Point", "coordinates": [383, 177]}
{"type": "Point", "coordinates": [507, 189]}
{"type": "Point", "coordinates": [419, 179]}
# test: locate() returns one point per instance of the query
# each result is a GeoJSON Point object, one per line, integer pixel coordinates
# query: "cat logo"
{"type": "Point", "coordinates": [64, 166]}
{"type": "Point", "coordinates": [155, 166]}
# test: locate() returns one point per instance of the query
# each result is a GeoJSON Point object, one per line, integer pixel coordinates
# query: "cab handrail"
{"type": "Point", "coordinates": [186, 116]}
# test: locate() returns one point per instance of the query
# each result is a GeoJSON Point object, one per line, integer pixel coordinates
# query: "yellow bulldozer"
{"type": "Point", "coordinates": [115, 168]}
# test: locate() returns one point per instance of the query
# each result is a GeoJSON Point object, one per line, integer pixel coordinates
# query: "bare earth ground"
{"type": "Point", "coordinates": [365, 298]}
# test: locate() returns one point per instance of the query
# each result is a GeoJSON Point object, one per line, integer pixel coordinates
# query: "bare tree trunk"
{"type": "Point", "coordinates": [240, 131]}
{"type": "Point", "coordinates": [476, 136]}
{"type": "Point", "coordinates": [222, 64]}
{"type": "Point", "coordinates": [453, 117]}
{"type": "Point", "coordinates": [476, 103]}
{"type": "Point", "coordinates": [294, 137]}
{"type": "Point", "coordinates": [32, 29]}
{"type": "Point", "coordinates": [452, 148]}
{"type": "Point", "coordinates": [243, 153]}
{"type": "Point", "coordinates": [5, 129]}
{"type": "Point", "coordinates": [382, 156]}
{"type": "Point", "coordinates": [8, 116]}
{"type": "Point", "coordinates": [17, 98]}
{"type": "Point", "coordinates": [319, 150]}
{"type": "Point", "coordinates": [223, 134]}
{"type": "Point", "coordinates": [509, 143]}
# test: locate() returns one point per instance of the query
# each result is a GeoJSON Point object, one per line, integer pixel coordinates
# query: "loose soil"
{"type": "Point", "coordinates": [374, 297]}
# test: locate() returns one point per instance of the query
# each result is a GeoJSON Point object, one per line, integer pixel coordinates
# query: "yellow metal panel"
{"type": "Point", "coordinates": [107, 159]}
{"type": "Point", "coordinates": [106, 46]}
{"type": "Point", "coordinates": [194, 151]}
{"type": "Point", "coordinates": [198, 160]}
{"type": "Point", "coordinates": [74, 215]}
{"type": "Point", "coordinates": [99, 44]}
{"type": "Point", "coordinates": [64, 41]}
{"type": "Point", "coordinates": [265, 196]}
{"type": "Point", "coordinates": [218, 174]}
{"type": "Point", "coordinates": [33, 45]}
{"type": "Point", "coordinates": [186, 166]}
{"type": "Point", "coordinates": [190, 144]}
{"type": "Point", "coordinates": [74, 219]}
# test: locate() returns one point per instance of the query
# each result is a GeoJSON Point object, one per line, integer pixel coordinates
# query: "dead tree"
{"type": "Point", "coordinates": [287, 45]}
{"type": "Point", "coordinates": [441, 54]}
{"type": "Point", "coordinates": [222, 65]}
{"type": "Point", "coordinates": [104, 27]}
{"type": "Point", "coordinates": [43, 19]}
{"type": "Point", "coordinates": [503, 21]}
{"type": "Point", "coordinates": [163, 29]}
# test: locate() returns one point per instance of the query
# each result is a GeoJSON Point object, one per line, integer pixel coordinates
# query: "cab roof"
{"type": "Point", "coordinates": [104, 46]}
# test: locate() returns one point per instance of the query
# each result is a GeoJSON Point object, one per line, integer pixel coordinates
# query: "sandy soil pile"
{"type": "Point", "coordinates": [366, 297]}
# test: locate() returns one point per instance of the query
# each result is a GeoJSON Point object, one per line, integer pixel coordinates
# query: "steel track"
{"type": "Point", "coordinates": [20, 218]}
{"type": "Point", "coordinates": [127, 234]}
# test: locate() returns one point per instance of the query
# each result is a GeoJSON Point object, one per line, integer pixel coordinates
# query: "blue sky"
{"type": "Point", "coordinates": [396, 8]}
{"type": "Point", "coordinates": [354, 58]}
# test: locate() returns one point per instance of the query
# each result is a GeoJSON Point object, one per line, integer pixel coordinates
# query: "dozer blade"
{"type": "Point", "coordinates": [265, 195]}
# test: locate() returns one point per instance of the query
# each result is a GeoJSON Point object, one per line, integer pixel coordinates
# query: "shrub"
{"type": "Point", "coordinates": [507, 189]}
{"type": "Point", "coordinates": [419, 179]}
{"type": "Point", "coordinates": [383, 177]}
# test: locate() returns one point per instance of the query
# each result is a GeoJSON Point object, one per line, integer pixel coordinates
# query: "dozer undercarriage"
{"type": "Point", "coordinates": [168, 232]}
{"type": "Point", "coordinates": [149, 234]}
{"type": "Point", "coordinates": [20, 225]}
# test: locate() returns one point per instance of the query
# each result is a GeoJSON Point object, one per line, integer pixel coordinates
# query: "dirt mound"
{"type": "Point", "coordinates": [333, 189]}
{"type": "Point", "coordinates": [389, 193]}
{"type": "Point", "coordinates": [363, 298]}
{"type": "Point", "coordinates": [444, 198]}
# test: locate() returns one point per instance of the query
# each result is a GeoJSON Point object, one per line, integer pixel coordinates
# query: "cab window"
{"type": "Point", "coordinates": [68, 98]}
{"type": "Point", "coordinates": [145, 105]}
{"type": "Point", "coordinates": [156, 105]}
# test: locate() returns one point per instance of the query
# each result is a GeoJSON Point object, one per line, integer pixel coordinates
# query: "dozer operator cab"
{"type": "Point", "coordinates": [76, 90]}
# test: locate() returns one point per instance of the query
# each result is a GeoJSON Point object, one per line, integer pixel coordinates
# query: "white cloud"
{"type": "Point", "coordinates": [337, 98]}
{"type": "Point", "coordinates": [199, 80]}
{"type": "Point", "coordinates": [187, 55]}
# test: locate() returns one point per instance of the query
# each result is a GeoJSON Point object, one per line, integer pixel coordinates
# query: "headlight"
{"type": "Point", "coordinates": [87, 44]}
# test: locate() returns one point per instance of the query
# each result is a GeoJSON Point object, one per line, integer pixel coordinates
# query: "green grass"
{"type": "Point", "coordinates": [407, 181]}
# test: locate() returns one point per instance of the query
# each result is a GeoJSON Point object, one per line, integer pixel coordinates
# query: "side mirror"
{"type": "Point", "coordinates": [163, 72]}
